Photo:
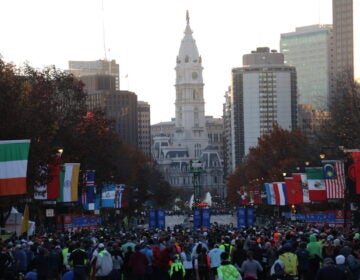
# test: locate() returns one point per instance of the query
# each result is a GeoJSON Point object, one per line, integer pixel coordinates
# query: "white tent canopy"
{"type": "Point", "coordinates": [13, 223]}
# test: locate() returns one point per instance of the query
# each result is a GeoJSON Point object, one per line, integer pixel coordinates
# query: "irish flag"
{"type": "Point", "coordinates": [69, 180]}
{"type": "Point", "coordinates": [13, 166]}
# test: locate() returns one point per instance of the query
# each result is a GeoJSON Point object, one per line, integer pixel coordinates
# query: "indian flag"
{"type": "Point", "coordinates": [13, 166]}
{"type": "Point", "coordinates": [69, 180]}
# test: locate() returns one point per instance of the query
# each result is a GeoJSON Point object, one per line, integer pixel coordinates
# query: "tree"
{"type": "Point", "coordinates": [35, 105]}
{"type": "Point", "coordinates": [277, 152]}
{"type": "Point", "coordinates": [48, 107]}
{"type": "Point", "coordinates": [237, 179]}
{"type": "Point", "coordinates": [344, 106]}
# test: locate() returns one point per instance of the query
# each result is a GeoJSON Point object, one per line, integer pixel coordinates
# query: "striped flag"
{"type": "Point", "coordinates": [354, 170]}
{"type": "Point", "coordinates": [13, 166]}
{"type": "Point", "coordinates": [316, 183]}
{"type": "Point", "coordinates": [107, 196]}
{"type": "Point", "coordinates": [276, 193]}
{"type": "Point", "coordinates": [119, 192]}
{"type": "Point", "coordinates": [69, 180]}
{"type": "Point", "coordinates": [88, 190]}
{"type": "Point", "coordinates": [334, 174]}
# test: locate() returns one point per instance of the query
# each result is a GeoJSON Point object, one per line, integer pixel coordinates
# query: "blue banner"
{"type": "Point", "coordinates": [331, 217]}
{"type": "Point", "coordinates": [241, 217]}
{"type": "Point", "coordinates": [161, 219]}
{"type": "Point", "coordinates": [245, 217]}
{"type": "Point", "coordinates": [250, 218]}
{"type": "Point", "coordinates": [205, 214]}
{"type": "Point", "coordinates": [152, 219]}
{"type": "Point", "coordinates": [300, 217]}
{"type": "Point", "coordinates": [197, 218]}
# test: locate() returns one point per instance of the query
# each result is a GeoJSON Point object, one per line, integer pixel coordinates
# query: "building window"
{"type": "Point", "coordinates": [197, 150]}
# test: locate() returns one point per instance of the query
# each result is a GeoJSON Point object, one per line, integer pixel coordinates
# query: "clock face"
{"type": "Point", "coordinates": [194, 75]}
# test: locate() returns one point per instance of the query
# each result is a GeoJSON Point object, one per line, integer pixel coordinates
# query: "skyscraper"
{"type": "Point", "coordinates": [308, 49]}
{"type": "Point", "coordinates": [120, 106]}
{"type": "Point", "coordinates": [263, 94]}
{"type": "Point", "coordinates": [96, 67]}
{"type": "Point", "coordinates": [144, 136]}
{"type": "Point", "coordinates": [346, 26]}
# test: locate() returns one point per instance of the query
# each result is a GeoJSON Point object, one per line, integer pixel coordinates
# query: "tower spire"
{"type": "Point", "coordinates": [187, 17]}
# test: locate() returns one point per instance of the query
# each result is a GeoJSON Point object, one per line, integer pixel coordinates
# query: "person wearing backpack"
{"type": "Point", "coordinates": [202, 265]}
{"type": "Point", "coordinates": [177, 270]}
{"type": "Point", "coordinates": [277, 270]}
{"type": "Point", "coordinates": [227, 247]}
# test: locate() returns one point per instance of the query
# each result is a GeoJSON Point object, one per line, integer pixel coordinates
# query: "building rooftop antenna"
{"type": "Point", "coordinates": [103, 28]}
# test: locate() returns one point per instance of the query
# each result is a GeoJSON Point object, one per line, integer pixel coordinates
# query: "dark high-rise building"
{"type": "Point", "coordinates": [120, 106]}
{"type": "Point", "coordinates": [101, 79]}
{"type": "Point", "coordinates": [144, 128]}
{"type": "Point", "coordinates": [346, 29]}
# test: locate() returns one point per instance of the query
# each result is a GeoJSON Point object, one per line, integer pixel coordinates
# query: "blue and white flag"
{"type": "Point", "coordinates": [119, 194]}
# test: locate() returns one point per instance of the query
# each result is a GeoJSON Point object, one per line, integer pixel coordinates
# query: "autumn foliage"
{"type": "Point", "coordinates": [277, 152]}
{"type": "Point", "coordinates": [49, 107]}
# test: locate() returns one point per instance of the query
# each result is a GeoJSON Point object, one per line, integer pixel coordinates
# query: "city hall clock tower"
{"type": "Point", "coordinates": [190, 128]}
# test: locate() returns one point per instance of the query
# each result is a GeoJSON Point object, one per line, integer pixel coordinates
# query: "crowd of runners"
{"type": "Point", "coordinates": [276, 251]}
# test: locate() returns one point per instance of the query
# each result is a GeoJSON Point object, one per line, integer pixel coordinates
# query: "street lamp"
{"type": "Point", "coordinates": [196, 169]}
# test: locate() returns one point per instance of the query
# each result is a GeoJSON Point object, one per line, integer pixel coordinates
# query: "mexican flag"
{"type": "Point", "coordinates": [13, 166]}
{"type": "Point", "coordinates": [316, 183]}
{"type": "Point", "coordinates": [69, 181]}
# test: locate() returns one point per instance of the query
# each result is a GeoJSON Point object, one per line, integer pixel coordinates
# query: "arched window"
{"type": "Point", "coordinates": [186, 59]}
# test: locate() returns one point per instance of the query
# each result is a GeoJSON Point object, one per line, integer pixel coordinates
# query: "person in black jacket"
{"type": "Point", "coordinates": [330, 271]}
{"type": "Point", "coordinates": [7, 264]}
{"type": "Point", "coordinates": [79, 260]}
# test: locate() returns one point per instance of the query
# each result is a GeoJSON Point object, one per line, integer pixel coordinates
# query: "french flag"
{"type": "Point", "coordinates": [276, 193]}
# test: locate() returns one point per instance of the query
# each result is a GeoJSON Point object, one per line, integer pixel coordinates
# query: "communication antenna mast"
{"type": "Point", "coordinates": [103, 28]}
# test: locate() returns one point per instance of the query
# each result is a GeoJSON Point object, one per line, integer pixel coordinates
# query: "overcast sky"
{"type": "Point", "coordinates": [144, 37]}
